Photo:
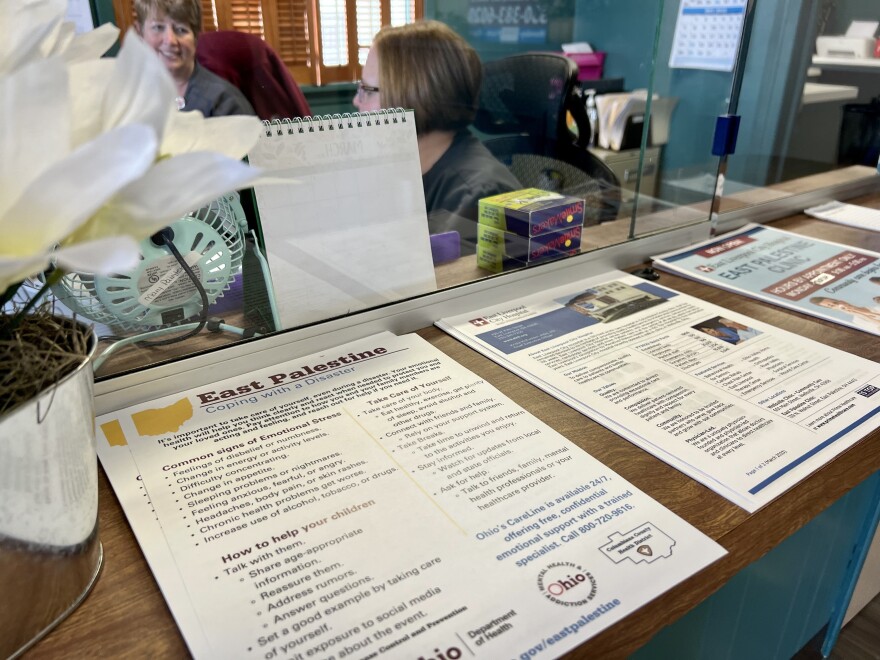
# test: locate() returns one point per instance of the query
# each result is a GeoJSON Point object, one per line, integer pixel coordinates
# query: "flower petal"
{"type": "Point", "coordinates": [92, 44]}
{"type": "Point", "coordinates": [91, 80]}
{"type": "Point", "coordinates": [34, 128]}
{"type": "Point", "coordinates": [111, 254]}
{"type": "Point", "coordinates": [14, 269]}
{"type": "Point", "coordinates": [143, 91]}
{"type": "Point", "coordinates": [26, 25]}
{"type": "Point", "coordinates": [176, 186]}
{"type": "Point", "coordinates": [59, 39]}
{"type": "Point", "coordinates": [69, 192]}
{"type": "Point", "coordinates": [231, 136]}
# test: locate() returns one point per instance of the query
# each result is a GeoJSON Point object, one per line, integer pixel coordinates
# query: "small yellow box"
{"type": "Point", "coordinates": [531, 212]}
{"type": "Point", "coordinates": [499, 250]}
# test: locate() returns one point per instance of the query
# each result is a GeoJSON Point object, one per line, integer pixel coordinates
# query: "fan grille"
{"type": "Point", "coordinates": [157, 292]}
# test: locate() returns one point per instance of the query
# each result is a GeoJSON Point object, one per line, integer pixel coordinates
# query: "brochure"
{"type": "Point", "coordinates": [828, 280]}
{"type": "Point", "coordinates": [380, 500]}
{"type": "Point", "coordinates": [743, 407]}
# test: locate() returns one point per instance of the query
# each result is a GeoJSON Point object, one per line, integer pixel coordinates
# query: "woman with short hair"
{"type": "Point", "coordinates": [171, 28]}
{"type": "Point", "coordinates": [428, 68]}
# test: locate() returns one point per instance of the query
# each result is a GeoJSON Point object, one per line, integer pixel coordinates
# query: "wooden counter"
{"type": "Point", "coordinates": [126, 615]}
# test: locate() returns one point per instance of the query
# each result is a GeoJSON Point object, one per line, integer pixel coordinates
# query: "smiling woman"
{"type": "Point", "coordinates": [171, 28]}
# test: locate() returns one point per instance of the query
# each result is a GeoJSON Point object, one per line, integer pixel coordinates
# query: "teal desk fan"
{"type": "Point", "coordinates": [183, 270]}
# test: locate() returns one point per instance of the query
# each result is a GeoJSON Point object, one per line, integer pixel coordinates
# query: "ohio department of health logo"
{"type": "Point", "coordinates": [566, 583]}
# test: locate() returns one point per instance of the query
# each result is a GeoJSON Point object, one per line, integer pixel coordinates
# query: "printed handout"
{"type": "Point", "coordinates": [828, 280]}
{"type": "Point", "coordinates": [741, 406]}
{"type": "Point", "coordinates": [380, 500]}
{"type": "Point", "coordinates": [851, 215]}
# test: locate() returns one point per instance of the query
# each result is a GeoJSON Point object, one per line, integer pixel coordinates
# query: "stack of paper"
{"type": "Point", "coordinates": [847, 214]}
{"type": "Point", "coordinates": [614, 112]}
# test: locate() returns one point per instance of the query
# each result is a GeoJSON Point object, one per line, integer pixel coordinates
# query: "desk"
{"type": "Point", "coordinates": [822, 93]}
{"type": "Point", "coordinates": [125, 615]}
{"type": "Point", "coordinates": [816, 128]}
{"type": "Point", "coordinates": [860, 73]}
{"type": "Point", "coordinates": [848, 63]}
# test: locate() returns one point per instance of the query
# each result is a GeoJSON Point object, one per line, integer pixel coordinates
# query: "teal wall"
{"type": "Point", "coordinates": [331, 99]}
{"type": "Point", "coordinates": [102, 12]}
{"type": "Point", "coordinates": [626, 31]}
{"type": "Point", "coordinates": [770, 95]}
{"type": "Point", "coordinates": [637, 37]}
{"type": "Point", "coordinates": [834, 18]}
{"type": "Point", "coordinates": [702, 96]}
{"type": "Point", "coordinates": [776, 68]}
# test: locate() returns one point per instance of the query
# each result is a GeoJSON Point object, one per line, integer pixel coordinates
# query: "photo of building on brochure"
{"type": "Point", "coordinates": [611, 301]}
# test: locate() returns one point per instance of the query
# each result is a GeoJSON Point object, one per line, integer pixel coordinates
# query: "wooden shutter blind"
{"type": "Point", "coordinates": [209, 19]}
{"type": "Point", "coordinates": [123, 10]}
{"type": "Point", "coordinates": [291, 38]}
{"type": "Point", "coordinates": [294, 29]}
{"type": "Point", "coordinates": [240, 15]}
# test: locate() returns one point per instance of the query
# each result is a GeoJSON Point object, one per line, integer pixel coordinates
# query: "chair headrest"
{"type": "Point", "coordinates": [522, 93]}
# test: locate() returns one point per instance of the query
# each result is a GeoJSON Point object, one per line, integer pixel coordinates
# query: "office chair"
{"type": "Point", "coordinates": [573, 172]}
{"type": "Point", "coordinates": [524, 103]}
{"type": "Point", "coordinates": [859, 141]}
{"type": "Point", "coordinates": [249, 63]}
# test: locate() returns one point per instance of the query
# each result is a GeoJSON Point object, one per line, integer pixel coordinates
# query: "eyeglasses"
{"type": "Point", "coordinates": [364, 89]}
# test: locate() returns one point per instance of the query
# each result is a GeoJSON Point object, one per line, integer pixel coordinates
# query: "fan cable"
{"type": "Point", "coordinates": [166, 237]}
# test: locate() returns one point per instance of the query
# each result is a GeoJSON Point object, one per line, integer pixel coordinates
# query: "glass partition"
{"type": "Point", "coordinates": [805, 91]}
{"type": "Point", "coordinates": [626, 125]}
{"type": "Point", "coordinates": [667, 168]}
{"type": "Point", "coordinates": [694, 83]}
{"type": "Point", "coordinates": [805, 102]}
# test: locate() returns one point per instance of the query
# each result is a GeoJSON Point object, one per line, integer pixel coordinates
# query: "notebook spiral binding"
{"type": "Point", "coordinates": [335, 122]}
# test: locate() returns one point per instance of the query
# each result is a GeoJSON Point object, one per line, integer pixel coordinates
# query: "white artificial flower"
{"type": "Point", "coordinates": [198, 159]}
{"type": "Point", "coordinates": [26, 25]}
{"type": "Point", "coordinates": [35, 29]}
{"type": "Point", "coordinates": [56, 203]}
{"type": "Point", "coordinates": [95, 155]}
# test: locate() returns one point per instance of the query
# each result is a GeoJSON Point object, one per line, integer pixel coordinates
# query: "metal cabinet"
{"type": "Point", "coordinates": [625, 165]}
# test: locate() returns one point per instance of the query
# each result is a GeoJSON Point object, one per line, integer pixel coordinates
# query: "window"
{"type": "Point", "coordinates": [320, 41]}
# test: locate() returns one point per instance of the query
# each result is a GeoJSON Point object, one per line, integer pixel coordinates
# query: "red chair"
{"type": "Point", "coordinates": [249, 63]}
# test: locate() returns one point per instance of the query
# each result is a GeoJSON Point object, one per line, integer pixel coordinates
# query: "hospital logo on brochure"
{"type": "Point", "coordinates": [566, 583]}
{"type": "Point", "coordinates": [480, 322]}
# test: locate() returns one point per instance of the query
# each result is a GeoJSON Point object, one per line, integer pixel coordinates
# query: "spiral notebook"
{"type": "Point", "coordinates": [351, 232]}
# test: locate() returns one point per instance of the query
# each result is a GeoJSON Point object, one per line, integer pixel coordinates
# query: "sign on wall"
{"type": "Point", "coordinates": [508, 21]}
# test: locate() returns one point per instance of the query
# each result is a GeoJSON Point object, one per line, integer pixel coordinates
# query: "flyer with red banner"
{"type": "Point", "coordinates": [829, 280]}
